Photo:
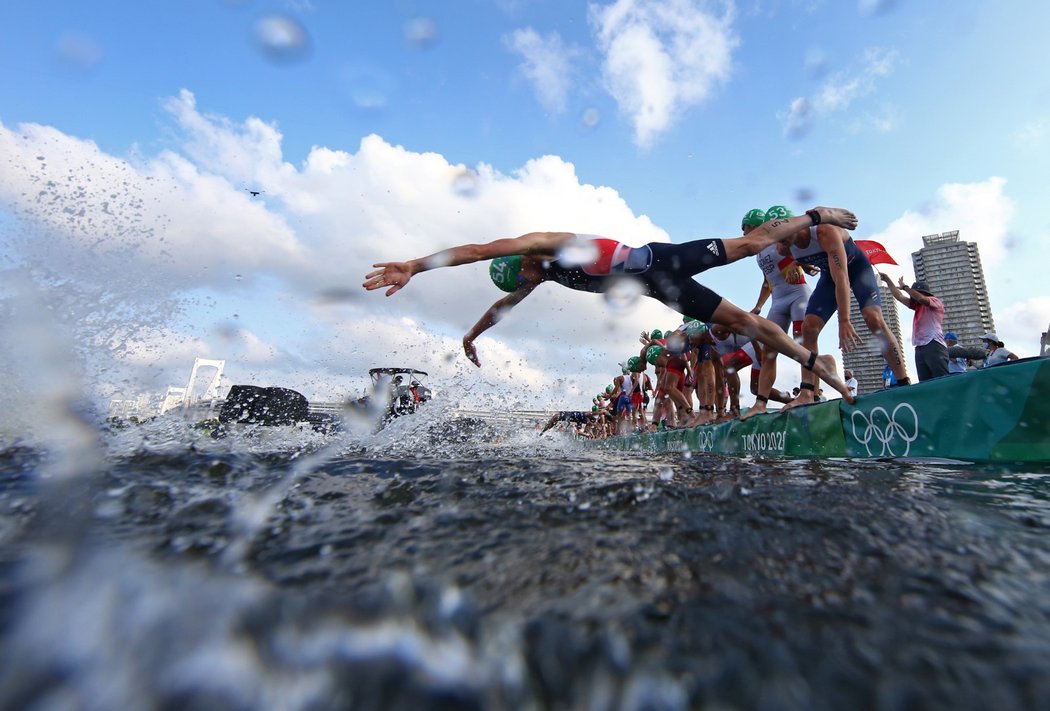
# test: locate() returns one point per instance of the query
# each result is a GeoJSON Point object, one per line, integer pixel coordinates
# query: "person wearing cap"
{"type": "Point", "coordinates": [955, 365]}
{"type": "Point", "coordinates": [784, 279]}
{"type": "Point", "coordinates": [664, 270]}
{"type": "Point", "coordinates": [997, 353]}
{"type": "Point", "coordinates": [927, 327]}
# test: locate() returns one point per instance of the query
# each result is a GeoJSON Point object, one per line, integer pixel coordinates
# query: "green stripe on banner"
{"type": "Point", "coordinates": [997, 414]}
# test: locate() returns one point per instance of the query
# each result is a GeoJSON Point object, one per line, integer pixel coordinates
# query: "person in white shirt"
{"type": "Point", "coordinates": [997, 353]}
{"type": "Point", "coordinates": [851, 382]}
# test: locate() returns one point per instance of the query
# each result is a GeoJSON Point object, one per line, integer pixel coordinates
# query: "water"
{"type": "Point", "coordinates": [444, 566]}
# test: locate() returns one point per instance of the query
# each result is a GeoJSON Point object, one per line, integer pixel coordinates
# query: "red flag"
{"type": "Point", "coordinates": [875, 252]}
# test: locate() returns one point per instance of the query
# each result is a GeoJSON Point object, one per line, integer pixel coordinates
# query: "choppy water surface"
{"type": "Point", "coordinates": [435, 566]}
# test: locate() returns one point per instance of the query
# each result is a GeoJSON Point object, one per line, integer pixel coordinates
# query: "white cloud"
{"type": "Point", "coordinates": [1032, 135]}
{"type": "Point", "coordinates": [1019, 325]}
{"type": "Point", "coordinates": [662, 56]}
{"type": "Point", "coordinates": [839, 92]}
{"type": "Point", "coordinates": [982, 213]}
{"type": "Point", "coordinates": [148, 244]}
{"type": "Point", "coordinates": [547, 65]}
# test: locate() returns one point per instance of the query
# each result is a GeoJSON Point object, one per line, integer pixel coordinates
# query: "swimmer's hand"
{"type": "Point", "coordinates": [849, 339]}
{"type": "Point", "coordinates": [471, 351]}
{"type": "Point", "coordinates": [392, 274]}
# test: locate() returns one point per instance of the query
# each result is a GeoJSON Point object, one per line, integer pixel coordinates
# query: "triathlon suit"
{"type": "Point", "coordinates": [665, 270]}
{"type": "Point", "coordinates": [580, 418]}
{"type": "Point", "coordinates": [624, 401]}
{"type": "Point", "coordinates": [676, 364]}
{"type": "Point", "coordinates": [861, 277]}
{"type": "Point", "coordinates": [636, 392]}
{"type": "Point", "coordinates": [740, 346]}
{"type": "Point", "coordinates": [789, 300]}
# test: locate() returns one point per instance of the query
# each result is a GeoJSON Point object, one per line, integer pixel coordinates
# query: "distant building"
{"type": "Point", "coordinates": [952, 270]}
{"type": "Point", "coordinates": [867, 362]}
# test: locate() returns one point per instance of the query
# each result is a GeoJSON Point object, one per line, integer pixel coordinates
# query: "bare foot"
{"type": "Point", "coordinates": [703, 417]}
{"type": "Point", "coordinates": [837, 216]}
{"type": "Point", "coordinates": [757, 409]}
{"type": "Point", "coordinates": [804, 397]}
{"type": "Point", "coordinates": [825, 369]}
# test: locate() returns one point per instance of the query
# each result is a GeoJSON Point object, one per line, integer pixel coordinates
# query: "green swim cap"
{"type": "Point", "coordinates": [609, 388]}
{"type": "Point", "coordinates": [656, 333]}
{"type": "Point", "coordinates": [634, 364]}
{"type": "Point", "coordinates": [652, 353]}
{"type": "Point", "coordinates": [687, 319]}
{"type": "Point", "coordinates": [778, 212]}
{"type": "Point", "coordinates": [694, 327]}
{"type": "Point", "coordinates": [504, 272]}
{"type": "Point", "coordinates": [594, 408]}
{"type": "Point", "coordinates": [753, 218]}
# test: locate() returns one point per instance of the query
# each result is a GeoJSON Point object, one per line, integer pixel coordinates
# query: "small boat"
{"type": "Point", "coordinates": [997, 414]}
{"type": "Point", "coordinates": [396, 392]}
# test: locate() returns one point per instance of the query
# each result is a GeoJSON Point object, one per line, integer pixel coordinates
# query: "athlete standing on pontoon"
{"type": "Point", "coordinates": [520, 264]}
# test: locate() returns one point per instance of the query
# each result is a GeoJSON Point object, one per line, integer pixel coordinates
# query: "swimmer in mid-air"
{"type": "Point", "coordinates": [665, 271]}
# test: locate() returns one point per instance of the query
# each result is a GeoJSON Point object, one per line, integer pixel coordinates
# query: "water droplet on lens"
{"type": "Point", "coordinates": [578, 252]}
{"type": "Point", "coordinates": [590, 118]}
{"type": "Point", "coordinates": [282, 39]}
{"type": "Point", "coordinates": [465, 183]}
{"type": "Point", "coordinates": [623, 293]}
{"type": "Point", "coordinates": [421, 33]}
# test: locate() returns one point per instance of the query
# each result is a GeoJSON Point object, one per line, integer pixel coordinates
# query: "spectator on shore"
{"type": "Point", "coordinates": [957, 364]}
{"type": "Point", "coordinates": [851, 382]}
{"type": "Point", "coordinates": [931, 352]}
{"type": "Point", "coordinates": [997, 353]}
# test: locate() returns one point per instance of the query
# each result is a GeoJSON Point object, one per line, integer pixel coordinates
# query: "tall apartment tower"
{"type": "Point", "coordinates": [867, 362]}
{"type": "Point", "coordinates": [952, 270]}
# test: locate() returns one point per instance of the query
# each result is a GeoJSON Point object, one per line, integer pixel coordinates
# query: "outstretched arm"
{"type": "Point", "coordinates": [895, 290]}
{"type": "Point", "coordinates": [491, 317]}
{"type": "Point", "coordinates": [396, 275]}
{"type": "Point", "coordinates": [830, 238]}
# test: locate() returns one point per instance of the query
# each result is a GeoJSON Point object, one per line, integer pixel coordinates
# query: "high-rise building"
{"type": "Point", "coordinates": [952, 270]}
{"type": "Point", "coordinates": [867, 362]}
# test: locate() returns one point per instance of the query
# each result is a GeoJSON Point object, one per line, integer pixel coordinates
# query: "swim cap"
{"type": "Point", "coordinates": [609, 388]}
{"type": "Point", "coordinates": [687, 319]}
{"type": "Point", "coordinates": [634, 364]}
{"type": "Point", "coordinates": [504, 272]}
{"type": "Point", "coordinates": [652, 353]}
{"type": "Point", "coordinates": [656, 334]}
{"type": "Point", "coordinates": [753, 218]}
{"type": "Point", "coordinates": [695, 328]}
{"type": "Point", "coordinates": [594, 408]}
{"type": "Point", "coordinates": [778, 212]}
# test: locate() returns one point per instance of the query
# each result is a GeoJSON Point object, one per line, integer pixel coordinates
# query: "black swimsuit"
{"type": "Point", "coordinates": [666, 271]}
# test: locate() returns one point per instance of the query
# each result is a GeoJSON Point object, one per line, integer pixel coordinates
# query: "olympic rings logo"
{"type": "Point", "coordinates": [705, 439]}
{"type": "Point", "coordinates": [890, 430]}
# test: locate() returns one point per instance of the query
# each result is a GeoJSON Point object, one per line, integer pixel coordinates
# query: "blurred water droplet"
{"type": "Point", "coordinates": [78, 51]}
{"type": "Point", "coordinates": [421, 33]}
{"type": "Point", "coordinates": [282, 39]}
{"type": "Point", "coordinates": [666, 475]}
{"type": "Point", "coordinates": [578, 252]}
{"type": "Point", "coordinates": [623, 293]}
{"type": "Point", "coordinates": [336, 295]}
{"type": "Point", "coordinates": [465, 183]}
{"type": "Point", "coordinates": [804, 196]}
{"type": "Point", "coordinates": [590, 118]}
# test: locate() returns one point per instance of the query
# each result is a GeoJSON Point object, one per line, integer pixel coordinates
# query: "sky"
{"type": "Point", "coordinates": [133, 135]}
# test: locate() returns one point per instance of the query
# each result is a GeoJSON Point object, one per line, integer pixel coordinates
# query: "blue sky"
{"type": "Point", "coordinates": [386, 130]}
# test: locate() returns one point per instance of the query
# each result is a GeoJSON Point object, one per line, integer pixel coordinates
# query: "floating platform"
{"type": "Point", "coordinates": [998, 414]}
